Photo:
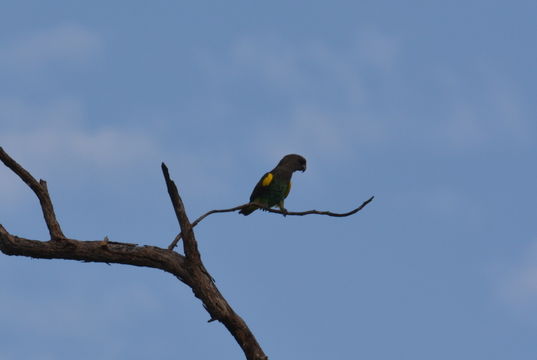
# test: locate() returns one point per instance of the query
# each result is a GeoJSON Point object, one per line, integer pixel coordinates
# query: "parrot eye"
{"type": "Point", "coordinates": [302, 164]}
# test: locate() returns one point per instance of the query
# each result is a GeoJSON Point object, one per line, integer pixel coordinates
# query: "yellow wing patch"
{"type": "Point", "coordinates": [267, 179]}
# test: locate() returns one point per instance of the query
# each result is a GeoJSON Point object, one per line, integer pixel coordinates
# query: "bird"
{"type": "Point", "coordinates": [274, 186]}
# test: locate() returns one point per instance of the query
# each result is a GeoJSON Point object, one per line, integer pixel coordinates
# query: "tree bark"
{"type": "Point", "coordinates": [188, 268]}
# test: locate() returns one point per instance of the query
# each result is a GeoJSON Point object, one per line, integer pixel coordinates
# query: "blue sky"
{"type": "Point", "coordinates": [429, 106]}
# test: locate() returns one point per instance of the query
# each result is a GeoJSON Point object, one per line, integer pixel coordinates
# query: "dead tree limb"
{"type": "Point", "coordinates": [187, 268]}
{"type": "Point", "coordinates": [275, 211]}
{"type": "Point", "coordinates": [203, 285]}
{"type": "Point", "coordinates": [41, 191]}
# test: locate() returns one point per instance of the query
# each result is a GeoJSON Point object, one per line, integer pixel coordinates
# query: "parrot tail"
{"type": "Point", "coordinates": [248, 210]}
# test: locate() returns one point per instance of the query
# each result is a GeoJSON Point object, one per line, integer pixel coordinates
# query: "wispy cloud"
{"type": "Point", "coordinates": [55, 132]}
{"type": "Point", "coordinates": [67, 42]}
{"type": "Point", "coordinates": [311, 70]}
{"type": "Point", "coordinates": [315, 65]}
{"type": "Point", "coordinates": [313, 131]}
{"type": "Point", "coordinates": [326, 103]}
{"type": "Point", "coordinates": [55, 140]}
{"type": "Point", "coordinates": [52, 140]}
{"type": "Point", "coordinates": [331, 98]}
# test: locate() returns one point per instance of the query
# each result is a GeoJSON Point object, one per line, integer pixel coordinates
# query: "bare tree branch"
{"type": "Point", "coordinates": [275, 211]}
{"type": "Point", "coordinates": [203, 285]}
{"type": "Point", "coordinates": [41, 191]}
{"type": "Point", "coordinates": [180, 235]}
{"type": "Point", "coordinates": [317, 212]}
{"type": "Point", "coordinates": [190, 244]}
{"type": "Point", "coordinates": [189, 268]}
{"type": "Point", "coordinates": [96, 251]}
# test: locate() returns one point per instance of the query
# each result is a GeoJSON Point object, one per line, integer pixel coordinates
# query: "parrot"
{"type": "Point", "coordinates": [274, 186]}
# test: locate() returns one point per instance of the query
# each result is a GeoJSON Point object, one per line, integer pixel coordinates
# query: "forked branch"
{"type": "Point", "coordinates": [189, 268]}
{"type": "Point", "coordinates": [41, 191]}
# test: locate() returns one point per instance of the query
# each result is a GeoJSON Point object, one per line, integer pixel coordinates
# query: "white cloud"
{"type": "Point", "coordinates": [68, 42]}
{"type": "Point", "coordinates": [54, 133]}
{"type": "Point", "coordinates": [102, 148]}
{"type": "Point", "coordinates": [310, 130]}
{"type": "Point", "coordinates": [309, 69]}
{"type": "Point", "coordinates": [327, 111]}
{"type": "Point", "coordinates": [315, 65]}
{"type": "Point", "coordinates": [51, 140]}
{"type": "Point", "coordinates": [332, 97]}
{"type": "Point", "coordinates": [54, 140]}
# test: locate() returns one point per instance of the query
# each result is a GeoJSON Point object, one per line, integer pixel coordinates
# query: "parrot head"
{"type": "Point", "coordinates": [293, 162]}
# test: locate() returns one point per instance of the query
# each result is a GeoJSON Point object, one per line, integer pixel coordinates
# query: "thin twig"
{"type": "Point", "coordinates": [317, 212]}
{"type": "Point", "coordinates": [41, 191]}
{"type": "Point", "coordinates": [180, 235]}
{"type": "Point", "coordinates": [275, 211]}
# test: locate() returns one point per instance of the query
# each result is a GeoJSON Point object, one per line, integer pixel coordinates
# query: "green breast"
{"type": "Point", "coordinates": [274, 193]}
